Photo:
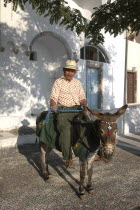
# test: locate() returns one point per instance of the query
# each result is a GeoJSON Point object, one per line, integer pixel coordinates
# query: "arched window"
{"type": "Point", "coordinates": [92, 53]}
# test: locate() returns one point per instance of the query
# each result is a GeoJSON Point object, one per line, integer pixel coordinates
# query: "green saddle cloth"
{"type": "Point", "coordinates": [47, 133]}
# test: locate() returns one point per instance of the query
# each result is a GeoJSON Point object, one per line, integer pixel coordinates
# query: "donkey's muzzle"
{"type": "Point", "coordinates": [107, 152]}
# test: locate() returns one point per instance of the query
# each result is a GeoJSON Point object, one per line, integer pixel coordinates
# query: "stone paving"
{"type": "Point", "coordinates": [117, 183]}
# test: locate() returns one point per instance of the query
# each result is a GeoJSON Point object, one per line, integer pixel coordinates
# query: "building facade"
{"type": "Point", "coordinates": [32, 56]}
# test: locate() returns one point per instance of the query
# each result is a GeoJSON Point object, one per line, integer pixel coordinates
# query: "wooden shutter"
{"type": "Point", "coordinates": [131, 87]}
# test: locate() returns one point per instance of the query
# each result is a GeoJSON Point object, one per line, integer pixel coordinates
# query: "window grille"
{"type": "Point", "coordinates": [92, 53]}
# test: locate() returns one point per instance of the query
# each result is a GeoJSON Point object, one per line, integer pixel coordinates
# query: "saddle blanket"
{"type": "Point", "coordinates": [47, 133]}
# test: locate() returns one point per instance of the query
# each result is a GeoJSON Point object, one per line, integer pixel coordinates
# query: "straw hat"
{"type": "Point", "coordinates": [71, 64]}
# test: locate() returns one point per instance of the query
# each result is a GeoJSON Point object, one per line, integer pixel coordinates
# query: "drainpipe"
{"type": "Point", "coordinates": [85, 60]}
{"type": "Point", "coordinates": [125, 79]}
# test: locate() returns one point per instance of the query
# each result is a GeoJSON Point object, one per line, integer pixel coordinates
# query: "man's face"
{"type": "Point", "coordinates": [69, 74]}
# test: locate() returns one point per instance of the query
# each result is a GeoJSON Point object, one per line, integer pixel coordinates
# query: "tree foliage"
{"type": "Point", "coordinates": [114, 17]}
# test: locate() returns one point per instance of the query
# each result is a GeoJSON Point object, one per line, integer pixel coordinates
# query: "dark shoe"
{"type": "Point", "coordinates": [69, 164]}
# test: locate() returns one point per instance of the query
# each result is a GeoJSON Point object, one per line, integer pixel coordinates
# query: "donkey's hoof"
{"type": "Point", "coordinates": [90, 189]}
{"type": "Point", "coordinates": [45, 177]}
{"type": "Point", "coordinates": [82, 196]}
{"type": "Point", "coordinates": [92, 192]}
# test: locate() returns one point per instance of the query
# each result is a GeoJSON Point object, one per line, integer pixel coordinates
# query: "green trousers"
{"type": "Point", "coordinates": [56, 133]}
{"type": "Point", "coordinates": [63, 126]}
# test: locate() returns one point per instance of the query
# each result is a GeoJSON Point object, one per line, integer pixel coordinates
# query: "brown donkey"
{"type": "Point", "coordinates": [100, 138]}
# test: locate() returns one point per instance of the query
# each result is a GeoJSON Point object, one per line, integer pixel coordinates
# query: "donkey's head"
{"type": "Point", "coordinates": [108, 129]}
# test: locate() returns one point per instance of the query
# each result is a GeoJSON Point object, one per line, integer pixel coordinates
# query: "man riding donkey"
{"type": "Point", "coordinates": [68, 94]}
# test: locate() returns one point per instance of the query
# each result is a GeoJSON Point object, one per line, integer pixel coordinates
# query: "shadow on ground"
{"type": "Point", "coordinates": [131, 148]}
{"type": "Point", "coordinates": [127, 147]}
{"type": "Point", "coordinates": [32, 154]}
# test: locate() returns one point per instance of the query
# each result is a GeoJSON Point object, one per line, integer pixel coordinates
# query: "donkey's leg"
{"type": "Point", "coordinates": [48, 150]}
{"type": "Point", "coordinates": [82, 178]}
{"type": "Point", "coordinates": [89, 183]}
{"type": "Point", "coordinates": [44, 154]}
{"type": "Point", "coordinates": [90, 160]}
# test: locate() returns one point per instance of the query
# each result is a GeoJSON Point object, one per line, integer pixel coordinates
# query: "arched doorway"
{"type": "Point", "coordinates": [95, 58]}
{"type": "Point", "coordinates": [52, 51]}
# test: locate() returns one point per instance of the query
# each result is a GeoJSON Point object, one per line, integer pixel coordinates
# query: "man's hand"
{"type": "Point", "coordinates": [85, 107]}
{"type": "Point", "coordinates": [53, 105]}
{"type": "Point", "coordinates": [84, 104]}
{"type": "Point", "coordinates": [54, 108]}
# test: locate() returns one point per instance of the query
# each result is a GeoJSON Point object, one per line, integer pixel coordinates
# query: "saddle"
{"type": "Point", "coordinates": [81, 132]}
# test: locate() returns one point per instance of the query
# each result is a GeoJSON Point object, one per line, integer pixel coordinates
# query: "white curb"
{"type": "Point", "coordinates": [17, 141]}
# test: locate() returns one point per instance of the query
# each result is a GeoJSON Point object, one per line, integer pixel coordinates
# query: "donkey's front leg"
{"type": "Point", "coordinates": [82, 178]}
{"type": "Point", "coordinates": [44, 154]}
{"type": "Point", "coordinates": [89, 183]}
{"type": "Point", "coordinates": [90, 160]}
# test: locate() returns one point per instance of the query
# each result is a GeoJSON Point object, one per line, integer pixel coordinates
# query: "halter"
{"type": "Point", "coordinates": [109, 127]}
{"type": "Point", "coordinates": [103, 147]}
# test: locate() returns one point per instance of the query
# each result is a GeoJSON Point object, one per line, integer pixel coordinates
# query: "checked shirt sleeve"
{"type": "Point", "coordinates": [81, 92]}
{"type": "Point", "coordinates": [55, 90]}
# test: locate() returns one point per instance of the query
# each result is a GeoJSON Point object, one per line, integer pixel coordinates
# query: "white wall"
{"type": "Point", "coordinates": [51, 57]}
{"type": "Point", "coordinates": [113, 73]}
{"type": "Point", "coordinates": [87, 6]}
{"type": "Point", "coordinates": [132, 117]}
{"type": "Point", "coordinates": [25, 85]}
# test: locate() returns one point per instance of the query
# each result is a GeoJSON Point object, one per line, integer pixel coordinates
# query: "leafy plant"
{"type": "Point", "coordinates": [114, 17]}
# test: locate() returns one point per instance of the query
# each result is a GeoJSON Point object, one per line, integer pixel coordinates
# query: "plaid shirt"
{"type": "Point", "coordinates": [67, 93]}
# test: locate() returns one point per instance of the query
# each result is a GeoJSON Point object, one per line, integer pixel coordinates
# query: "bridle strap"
{"type": "Point", "coordinates": [89, 110]}
{"type": "Point", "coordinates": [92, 125]}
{"type": "Point", "coordinates": [95, 133]}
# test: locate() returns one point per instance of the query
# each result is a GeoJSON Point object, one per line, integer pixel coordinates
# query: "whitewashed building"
{"type": "Point", "coordinates": [33, 53]}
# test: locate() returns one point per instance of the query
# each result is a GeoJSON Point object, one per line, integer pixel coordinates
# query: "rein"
{"type": "Point", "coordinates": [52, 110]}
{"type": "Point", "coordinates": [94, 131]}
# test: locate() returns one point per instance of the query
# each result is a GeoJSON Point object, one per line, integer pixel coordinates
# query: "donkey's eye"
{"type": "Point", "coordinates": [102, 131]}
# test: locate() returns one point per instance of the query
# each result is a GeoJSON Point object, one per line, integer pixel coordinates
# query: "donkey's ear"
{"type": "Point", "coordinates": [96, 114]}
{"type": "Point", "coordinates": [121, 111]}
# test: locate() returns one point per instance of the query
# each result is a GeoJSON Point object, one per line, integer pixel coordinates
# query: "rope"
{"type": "Point", "coordinates": [48, 115]}
{"type": "Point", "coordinates": [70, 110]}
{"type": "Point", "coordinates": [52, 110]}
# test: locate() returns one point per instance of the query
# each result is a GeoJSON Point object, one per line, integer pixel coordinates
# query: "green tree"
{"type": "Point", "coordinates": [114, 17]}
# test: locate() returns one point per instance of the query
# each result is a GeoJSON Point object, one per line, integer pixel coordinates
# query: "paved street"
{"type": "Point", "coordinates": [117, 184]}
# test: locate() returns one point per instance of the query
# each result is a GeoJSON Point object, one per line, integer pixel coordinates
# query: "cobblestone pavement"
{"type": "Point", "coordinates": [117, 183]}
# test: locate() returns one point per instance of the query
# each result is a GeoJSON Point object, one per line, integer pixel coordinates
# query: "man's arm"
{"type": "Point", "coordinates": [83, 102]}
{"type": "Point", "coordinates": [54, 95]}
{"type": "Point", "coordinates": [82, 97]}
{"type": "Point", "coordinates": [52, 104]}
